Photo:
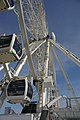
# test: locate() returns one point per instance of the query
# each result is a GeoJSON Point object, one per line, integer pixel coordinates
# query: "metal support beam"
{"type": "Point", "coordinates": [54, 76]}
{"type": "Point", "coordinates": [21, 63]}
{"type": "Point", "coordinates": [25, 38]}
{"type": "Point", "coordinates": [7, 70]}
{"type": "Point", "coordinates": [53, 101]}
{"type": "Point", "coordinates": [17, 68]}
{"type": "Point", "coordinates": [2, 97]}
{"type": "Point", "coordinates": [65, 76]}
{"type": "Point", "coordinates": [9, 76]}
{"type": "Point", "coordinates": [46, 64]}
{"type": "Point", "coordinates": [69, 54]}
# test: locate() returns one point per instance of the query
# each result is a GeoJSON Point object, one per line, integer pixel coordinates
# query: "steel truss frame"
{"type": "Point", "coordinates": [30, 49]}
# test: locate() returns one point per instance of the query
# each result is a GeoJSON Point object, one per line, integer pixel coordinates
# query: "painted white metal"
{"type": "Point", "coordinates": [2, 97]}
{"type": "Point", "coordinates": [65, 76]}
{"type": "Point", "coordinates": [19, 65]}
{"type": "Point", "coordinates": [33, 48]}
{"type": "Point", "coordinates": [48, 82]}
{"type": "Point", "coordinates": [39, 58]}
{"type": "Point", "coordinates": [37, 45]}
{"type": "Point", "coordinates": [22, 98]}
{"type": "Point", "coordinates": [53, 37]}
{"type": "Point", "coordinates": [38, 29]}
{"type": "Point", "coordinates": [34, 13]}
{"type": "Point", "coordinates": [53, 94]}
{"type": "Point", "coordinates": [4, 4]}
{"type": "Point", "coordinates": [53, 101]}
{"type": "Point", "coordinates": [46, 64]}
{"type": "Point", "coordinates": [7, 70]}
{"type": "Point", "coordinates": [25, 39]}
{"type": "Point", "coordinates": [69, 54]}
{"type": "Point", "coordinates": [7, 50]}
{"type": "Point", "coordinates": [9, 76]}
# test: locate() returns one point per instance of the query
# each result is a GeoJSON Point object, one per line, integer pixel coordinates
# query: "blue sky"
{"type": "Point", "coordinates": [63, 18]}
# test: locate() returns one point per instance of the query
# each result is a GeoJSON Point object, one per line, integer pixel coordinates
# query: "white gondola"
{"type": "Point", "coordinates": [10, 49]}
{"type": "Point", "coordinates": [6, 4]}
{"type": "Point", "coordinates": [19, 91]}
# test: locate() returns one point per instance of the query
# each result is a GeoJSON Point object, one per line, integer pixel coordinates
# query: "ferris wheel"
{"type": "Point", "coordinates": [38, 48]}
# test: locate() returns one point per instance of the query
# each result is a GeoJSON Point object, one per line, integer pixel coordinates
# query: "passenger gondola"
{"type": "Point", "coordinates": [10, 48]}
{"type": "Point", "coordinates": [6, 4]}
{"type": "Point", "coordinates": [19, 91]}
